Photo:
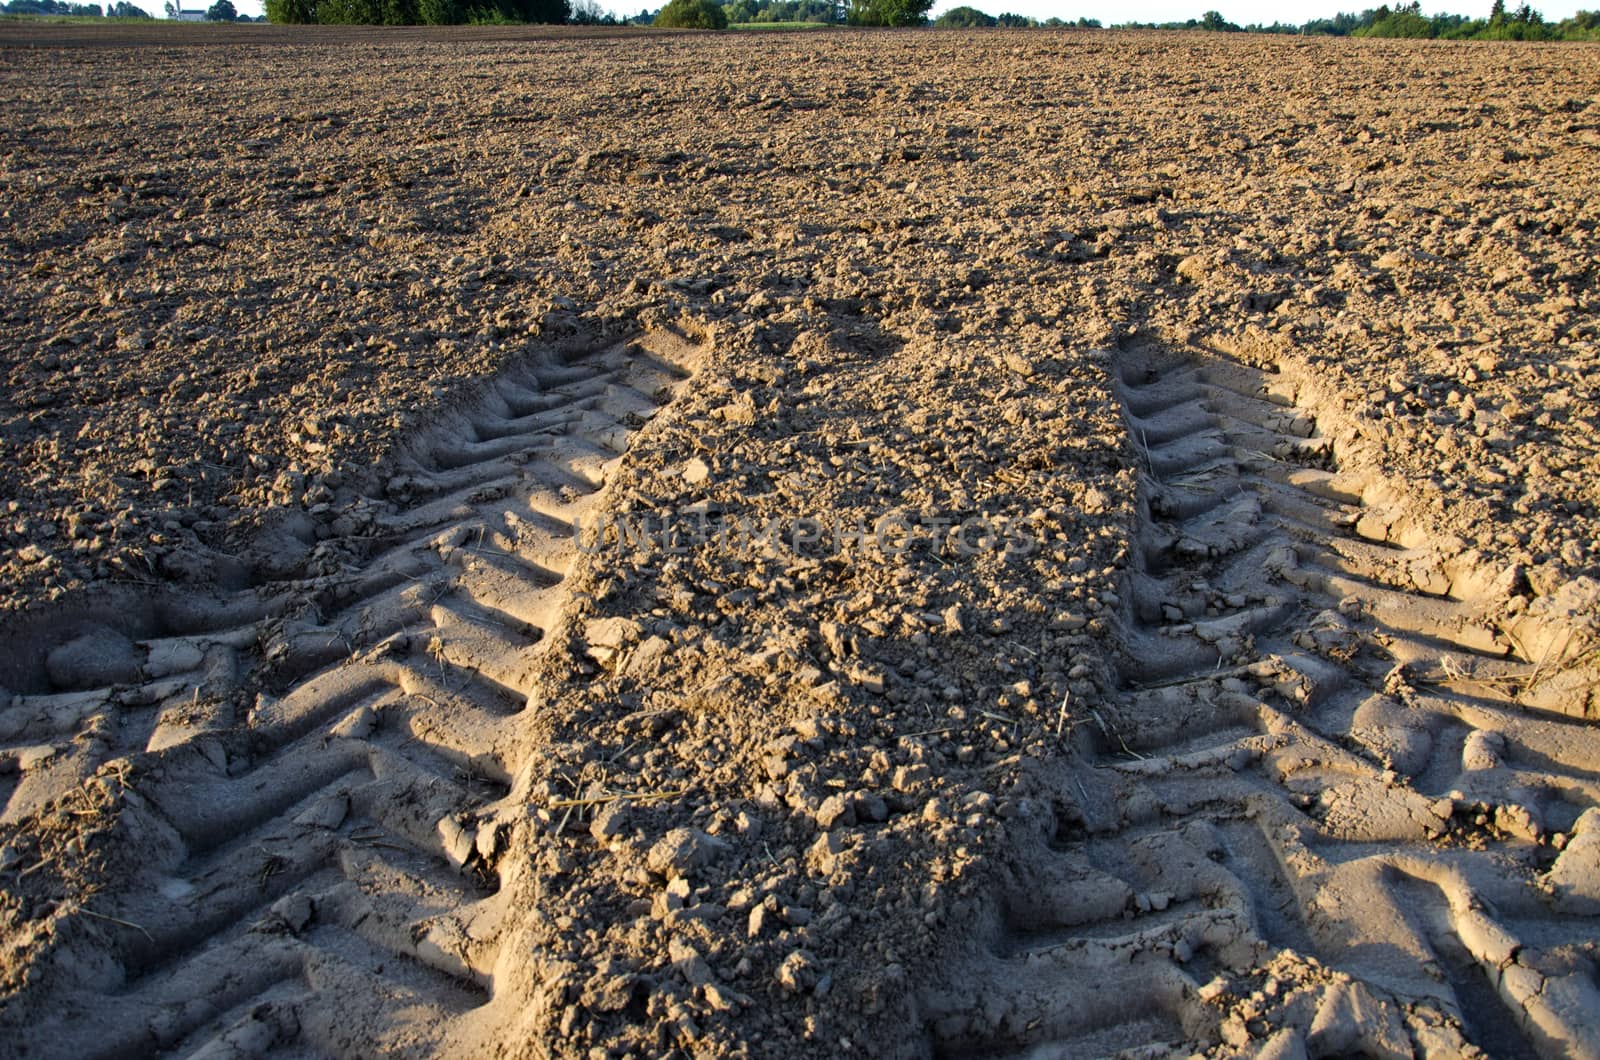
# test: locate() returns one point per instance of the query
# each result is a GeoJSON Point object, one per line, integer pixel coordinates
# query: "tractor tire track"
{"type": "Point", "coordinates": [1328, 762]}
{"type": "Point", "coordinates": [319, 870]}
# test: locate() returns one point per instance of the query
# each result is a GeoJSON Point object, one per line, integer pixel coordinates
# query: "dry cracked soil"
{"type": "Point", "coordinates": [525, 543]}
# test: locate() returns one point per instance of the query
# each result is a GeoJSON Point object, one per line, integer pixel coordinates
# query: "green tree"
{"type": "Point", "coordinates": [440, 12]}
{"type": "Point", "coordinates": [291, 12]}
{"type": "Point", "coordinates": [222, 11]}
{"type": "Point", "coordinates": [553, 12]}
{"type": "Point", "coordinates": [691, 14]}
{"type": "Point", "coordinates": [1402, 24]}
{"type": "Point", "coordinates": [350, 12]}
{"type": "Point", "coordinates": [1584, 25]}
{"type": "Point", "coordinates": [889, 12]}
{"type": "Point", "coordinates": [963, 18]}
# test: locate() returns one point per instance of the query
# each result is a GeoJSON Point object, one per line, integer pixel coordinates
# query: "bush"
{"type": "Point", "coordinates": [963, 18]}
{"type": "Point", "coordinates": [691, 14]}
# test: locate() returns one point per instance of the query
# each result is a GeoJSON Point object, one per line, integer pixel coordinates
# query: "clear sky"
{"type": "Point", "coordinates": [1113, 11]}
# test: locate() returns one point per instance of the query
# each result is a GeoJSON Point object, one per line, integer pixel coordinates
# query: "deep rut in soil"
{"type": "Point", "coordinates": [319, 873]}
{"type": "Point", "coordinates": [1321, 749]}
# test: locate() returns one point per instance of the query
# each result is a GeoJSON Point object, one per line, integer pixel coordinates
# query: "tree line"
{"type": "Point", "coordinates": [416, 12]}
{"type": "Point", "coordinates": [1406, 20]}
{"type": "Point", "coordinates": [972, 18]}
{"type": "Point", "coordinates": [1402, 20]}
{"type": "Point", "coordinates": [712, 14]}
{"type": "Point", "coordinates": [219, 11]}
{"type": "Point", "coordinates": [120, 9]}
{"type": "Point", "coordinates": [686, 14]}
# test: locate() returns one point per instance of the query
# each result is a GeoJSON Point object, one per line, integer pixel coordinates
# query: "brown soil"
{"type": "Point", "coordinates": [1261, 724]}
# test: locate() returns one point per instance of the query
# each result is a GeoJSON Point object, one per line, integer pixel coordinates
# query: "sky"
{"type": "Point", "coordinates": [1109, 12]}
